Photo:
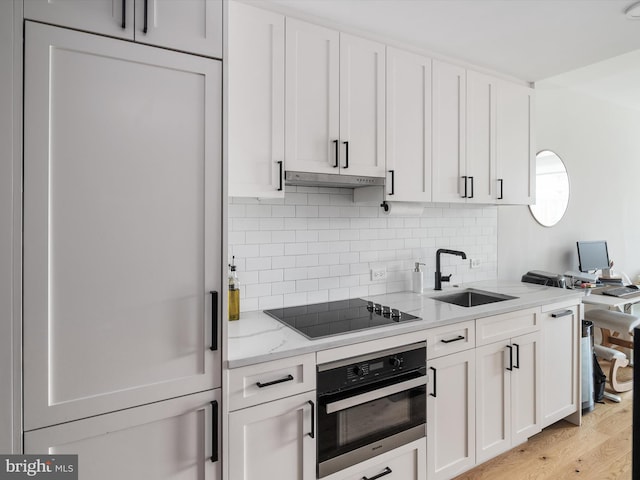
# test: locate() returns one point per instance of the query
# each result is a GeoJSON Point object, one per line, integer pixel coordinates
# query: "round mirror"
{"type": "Point", "coordinates": [552, 189]}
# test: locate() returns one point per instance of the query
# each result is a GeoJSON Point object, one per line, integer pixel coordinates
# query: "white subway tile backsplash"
{"type": "Point", "coordinates": [316, 245]}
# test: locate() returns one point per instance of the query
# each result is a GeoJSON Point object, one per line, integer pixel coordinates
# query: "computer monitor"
{"type": "Point", "coordinates": [593, 255]}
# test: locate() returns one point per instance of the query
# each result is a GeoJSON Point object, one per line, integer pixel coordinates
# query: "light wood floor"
{"type": "Point", "coordinates": [600, 449]}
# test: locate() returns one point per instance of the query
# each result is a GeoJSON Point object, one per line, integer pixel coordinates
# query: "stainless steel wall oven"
{"type": "Point", "coordinates": [369, 405]}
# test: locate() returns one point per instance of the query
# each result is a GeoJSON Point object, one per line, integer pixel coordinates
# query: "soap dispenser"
{"type": "Point", "coordinates": [418, 278]}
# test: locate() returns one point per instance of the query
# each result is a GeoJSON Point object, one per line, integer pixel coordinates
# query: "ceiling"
{"type": "Point", "coordinates": [528, 39]}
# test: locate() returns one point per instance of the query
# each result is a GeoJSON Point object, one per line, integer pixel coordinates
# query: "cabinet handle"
{"type": "Point", "coordinates": [214, 431]}
{"type": "Point", "coordinates": [564, 313]}
{"type": "Point", "coordinates": [346, 154]}
{"type": "Point", "coordinates": [337, 144]}
{"type": "Point", "coordinates": [517, 365]}
{"type": "Point", "coordinates": [312, 434]}
{"type": "Point", "coordinates": [124, 14]}
{"type": "Point", "coordinates": [288, 378]}
{"type": "Point", "coordinates": [464, 177]}
{"type": "Point", "coordinates": [510, 367]}
{"type": "Point", "coordinates": [435, 381]}
{"type": "Point", "coordinates": [471, 178]}
{"type": "Point", "coordinates": [386, 471]}
{"type": "Point", "coordinates": [393, 181]}
{"type": "Point", "coordinates": [451, 340]}
{"type": "Point", "coordinates": [280, 175]}
{"type": "Point", "coordinates": [501, 196]}
{"type": "Point", "coordinates": [146, 16]}
{"type": "Point", "coordinates": [214, 320]}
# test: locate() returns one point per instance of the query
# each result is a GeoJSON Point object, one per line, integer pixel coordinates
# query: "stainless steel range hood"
{"type": "Point", "coordinates": [307, 179]}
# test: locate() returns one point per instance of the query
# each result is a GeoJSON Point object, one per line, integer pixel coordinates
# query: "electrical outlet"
{"type": "Point", "coordinates": [378, 274]}
{"type": "Point", "coordinates": [474, 263]}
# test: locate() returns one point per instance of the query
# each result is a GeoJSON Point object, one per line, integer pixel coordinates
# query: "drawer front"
{"type": "Point", "coordinates": [502, 327]}
{"type": "Point", "coordinates": [255, 384]}
{"type": "Point", "coordinates": [451, 339]}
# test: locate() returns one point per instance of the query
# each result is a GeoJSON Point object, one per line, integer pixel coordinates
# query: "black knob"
{"type": "Point", "coordinates": [395, 361]}
{"type": "Point", "coordinates": [357, 370]}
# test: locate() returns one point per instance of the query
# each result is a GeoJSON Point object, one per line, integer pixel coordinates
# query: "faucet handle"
{"type": "Point", "coordinates": [446, 278]}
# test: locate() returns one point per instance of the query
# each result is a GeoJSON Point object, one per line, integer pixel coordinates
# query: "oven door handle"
{"type": "Point", "coordinates": [376, 394]}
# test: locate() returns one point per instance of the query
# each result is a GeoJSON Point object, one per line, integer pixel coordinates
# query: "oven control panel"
{"type": "Point", "coordinates": [371, 368]}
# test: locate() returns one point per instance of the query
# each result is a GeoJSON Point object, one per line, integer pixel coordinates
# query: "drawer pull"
{"type": "Point", "coordinates": [451, 340]}
{"type": "Point", "coordinates": [510, 367]}
{"type": "Point", "coordinates": [288, 378]}
{"type": "Point", "coordinates": [386, 471]}
{"type": "Point", "coordinates": [312, 434]}
{"type": "Point", "coordinates": [564, 313]}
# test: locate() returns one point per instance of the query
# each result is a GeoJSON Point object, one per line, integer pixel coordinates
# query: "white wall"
{"type": "Point", "coordinates": [600, 146]}
{"type": "Point", "coordinates": [6, 224]}
{"type": "Point", "coordinates": [317, 245]}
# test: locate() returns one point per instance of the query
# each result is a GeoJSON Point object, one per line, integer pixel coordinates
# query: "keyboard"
{"type": "Point", "coordinates": [620, 291]}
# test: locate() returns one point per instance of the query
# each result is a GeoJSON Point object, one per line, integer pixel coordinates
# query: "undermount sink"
{"type": "Point", "coordinates": [473, 298]}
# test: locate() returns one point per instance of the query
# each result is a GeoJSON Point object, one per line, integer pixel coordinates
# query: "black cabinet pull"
{"type": "Point", "coordinates": [280, 175]}
{"type": "Point", "coordinates": [312, 434]}
{"type": "Point", "coordinates": [457, 339]}
{"type": "Point", "coordinates": [517, 365]}
{"type": "Point", "coordinates": [501, 196]}
{"type": "Point", "coordinates": [337, 164]}
{"type": "Point", "coordinates": [464, 177]}
{"type": "Point", "coordinates": [471, 178]}
{"type": "Point", "coordinates": [214, 320]}
{"type": "Point", "coordinates": [288, 378]}
{"type": "Point", "coordinates": [510, 367]}
{"type": "Point", "coordinates": [393, 181]}
{"type": "Point", "coordinates": [146, 17]}
{"type": "Point", "coordinates": [435, 381]}
{"type": "Point", "coordinates": [214, 431]}
{"type": "Point", "coordinates": [386, 471]}
{"type": "Point", "coordinates": [346, 154]}
{"type": "Point", "coordinates": [564, 313]}
{"type": "Point", "coordinates": [124, 14]}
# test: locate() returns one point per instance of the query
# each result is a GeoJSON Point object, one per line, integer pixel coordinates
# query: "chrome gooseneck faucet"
{"type": "Point", "coordinates": [442, 278]}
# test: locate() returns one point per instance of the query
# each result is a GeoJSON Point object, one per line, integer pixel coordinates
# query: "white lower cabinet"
{"type": "Point", "coordinates": [451, 415]}
{"type": "Point", "coordinates": [175, 439]}
{"type": "Point", "coordinates": [508, 394]}
{"type": "Point", "coordinates": [274, 440]}
{"type": "Point", "coordinates": [560, 362]}
{"type": "Point", "coordinates": [403, 463]}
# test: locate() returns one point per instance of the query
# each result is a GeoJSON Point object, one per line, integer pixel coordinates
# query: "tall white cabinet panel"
{"type": "Point", "coordinates": [362, 106]}
{"type": "Point", "coordinates": [451, 414]}
{"type": "Point", "coordinates": [516, 174]}
{"type": "Point", "coordinates": [481, 138]}
{"type": "Point", "coordinates": [108, 17]}
{"type": "Point", "coordinates": [191, 25]}
{"type": "Point", "coordinates": [122, 223]}
{"type": "Point", "coordinates": [408, 126]}
{"type": "Point", "coordinates": [449, 131]}
{"type": "Point", "coordinates": [169, 440]}
{"type": "Point", "coordinates": [272, 440]}
{"type": "Point", "coordinates": [255, 63]}
{"type": "Point", "coordinates": [312, 98]}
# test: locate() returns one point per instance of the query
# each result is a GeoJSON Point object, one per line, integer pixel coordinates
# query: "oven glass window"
{"type": "Point", "coordinates": [366, 420]}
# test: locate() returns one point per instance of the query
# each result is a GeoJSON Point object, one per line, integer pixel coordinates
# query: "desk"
{"type": "Point", "coordinates": [621, 304]}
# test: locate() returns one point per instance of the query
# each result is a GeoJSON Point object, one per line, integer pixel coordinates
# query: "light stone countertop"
{"type": "Point", "coordinates": [257, 337]}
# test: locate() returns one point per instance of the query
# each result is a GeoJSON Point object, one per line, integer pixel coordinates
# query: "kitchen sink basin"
{"type": "Point", "coordinates": [473, 298]}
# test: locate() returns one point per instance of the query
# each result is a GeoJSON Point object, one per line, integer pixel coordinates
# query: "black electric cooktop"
{"type": "Point", "coordinates": [333, 318]}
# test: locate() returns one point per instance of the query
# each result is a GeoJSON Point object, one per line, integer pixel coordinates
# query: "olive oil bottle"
{"type": "Point", "coordinates": [234, 292]}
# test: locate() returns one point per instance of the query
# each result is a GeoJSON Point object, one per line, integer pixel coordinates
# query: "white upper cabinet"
{"type": "Point", "coordinates": [190, 25]}
{"type": "Point", "coordinates": [255, 66]}
{"type": "Point", "coordinates": [335, 94]}
{"type": "Point", "coordinates": [479, 177]}
{"type": "Point", "coordinates": [408, 127]}
{"type": "Point", "coordinates": [122, 220]}
{"type": "Point", "coordinates": [449, 132]}
{"type": "Point", "coordinates": [362, 106]}
{"type": "Point", "coordinates": [515, 146]}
